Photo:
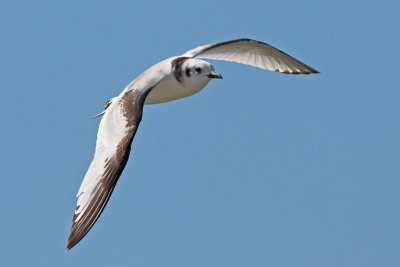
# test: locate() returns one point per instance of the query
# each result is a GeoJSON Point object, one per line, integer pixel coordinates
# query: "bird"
{"type": "Point", "coordinates": [173, 78]}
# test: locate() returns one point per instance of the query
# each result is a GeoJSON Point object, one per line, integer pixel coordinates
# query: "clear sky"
{"type": "Point", "coordinates": [258, 169]}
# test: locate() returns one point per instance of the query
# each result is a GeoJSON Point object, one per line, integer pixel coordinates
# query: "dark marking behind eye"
{"type": "Point", "coordinates": [188, 72]}
{"type": "Point", "coordinates": [176, 65]}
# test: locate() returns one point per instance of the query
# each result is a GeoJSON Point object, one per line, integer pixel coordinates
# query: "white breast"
{"type": "Point", "coordinates": [170, 89]}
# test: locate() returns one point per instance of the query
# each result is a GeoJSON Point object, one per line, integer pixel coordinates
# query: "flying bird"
{"type": "Point", "coordinates": [171, 79]}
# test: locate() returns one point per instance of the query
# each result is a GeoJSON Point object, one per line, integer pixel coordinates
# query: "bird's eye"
{"type": "Point", "coordinates": [197, 69]}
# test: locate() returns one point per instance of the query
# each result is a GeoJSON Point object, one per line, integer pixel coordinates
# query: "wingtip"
{"type": "Point", "coordinates": [72, 241]}
{"type": "Point", "coordinates": [69, 245]}
{"type": "Point", "coordinates": [310, 71]}
{"type": "Point", "coordinates": [314, 71]}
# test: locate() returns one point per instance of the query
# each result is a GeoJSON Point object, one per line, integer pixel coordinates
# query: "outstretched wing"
{"type": "Point", "coordinates": [116, 132]}
{"type": "Point", "coordinates": [251, 52]}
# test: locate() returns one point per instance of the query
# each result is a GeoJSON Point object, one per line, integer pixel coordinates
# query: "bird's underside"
{"type": "Point", "coordinates": [170, 79]}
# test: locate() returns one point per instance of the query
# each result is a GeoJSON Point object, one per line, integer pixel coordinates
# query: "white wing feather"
{"type": "Point", "coordinates": [254, 53]}
{"type": "Point", "coordinates": [116, 132]}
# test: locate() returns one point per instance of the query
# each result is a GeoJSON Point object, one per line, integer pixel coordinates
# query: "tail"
{"type": "Point", "coordinates": [108, 103]}
{"type": "Point", "coordinates": [98, 115]}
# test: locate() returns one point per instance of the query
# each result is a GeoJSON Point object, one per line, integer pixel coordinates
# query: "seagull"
{"type": "Point", "coordinates": [171, 79]}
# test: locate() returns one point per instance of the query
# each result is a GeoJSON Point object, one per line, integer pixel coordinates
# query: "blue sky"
{"type": "Point", "coordinates": [258, 169]}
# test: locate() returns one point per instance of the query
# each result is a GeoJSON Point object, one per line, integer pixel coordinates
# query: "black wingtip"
{"type": "Point", "coordinates": [315, 71]}
{"type": "Point", "coordinates": [70, 244]}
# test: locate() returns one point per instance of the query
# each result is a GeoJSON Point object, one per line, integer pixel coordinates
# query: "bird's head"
{"type": "Point", "coordinates": [200, 69]}
{"type": "Point", "coordinates": [191, 70]}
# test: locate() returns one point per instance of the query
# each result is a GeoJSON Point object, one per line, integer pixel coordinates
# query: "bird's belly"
{"type": "Point", "coordinates": [170, 89]}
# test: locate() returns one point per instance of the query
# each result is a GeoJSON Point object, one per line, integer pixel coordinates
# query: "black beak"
{"type": "Point", "coordinates": [215, 75]}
